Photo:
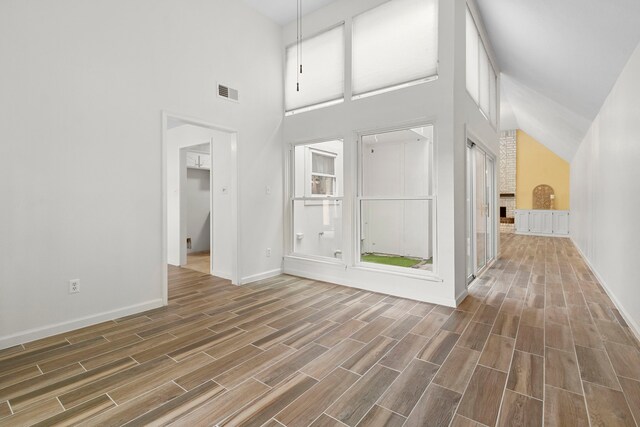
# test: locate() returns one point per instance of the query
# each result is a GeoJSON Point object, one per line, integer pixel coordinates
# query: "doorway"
{"type": "Point", "coordinates": [196, 193]}
{"type": "Point", "coordinates": [480, 197]}
{"type": "Point", "coordinates": [200, 198]}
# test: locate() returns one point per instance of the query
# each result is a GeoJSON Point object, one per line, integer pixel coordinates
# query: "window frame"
{"type": "Point", "coordinates": [310, 173]}
{"type": "Point", "coordinates": [432, 198]}
{"type": "Point", "coordinates": [394, 86]}
{"type": "Point", "coordinates": [309, 200]}
{"type": "Point", "coordinates": [326, 103]}
{"type": "Point", "coordinates": [492, 74]}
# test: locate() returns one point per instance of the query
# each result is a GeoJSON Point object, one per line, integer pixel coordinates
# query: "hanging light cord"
{"type": "Point", "coordinates": [298, 42]}
{"type": "Point", "coordinates": [301, 36]}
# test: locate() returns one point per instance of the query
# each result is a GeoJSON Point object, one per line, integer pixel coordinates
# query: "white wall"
{"type": "Point", "coordinates": [443, 103]}
{"type": "Point", "coordinates": [83, 84]}
{"type": "Point", "coordinates": [430, 102]}
{"type": "Point", "coordinates": [198, 210]}
{"type": "Point", "coordinates": [605, 193]}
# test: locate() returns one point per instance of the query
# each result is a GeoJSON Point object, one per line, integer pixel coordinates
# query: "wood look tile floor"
{"type": "Point", "coordinates": [199, 261]}
{"type": "Point", "coordinates": [537, 342]}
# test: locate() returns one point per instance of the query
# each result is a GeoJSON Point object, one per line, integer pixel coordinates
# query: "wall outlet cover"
{"type": "Point", "coordinates": [74, 286]}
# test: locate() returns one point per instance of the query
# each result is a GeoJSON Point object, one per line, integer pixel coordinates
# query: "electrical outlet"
{"type": "Point", "coordinates": [268, 252]}
{"type": "Point", "coordinates": [74, 286]}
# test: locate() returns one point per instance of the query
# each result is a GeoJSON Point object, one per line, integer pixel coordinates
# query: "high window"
{"type": "Point", "coordinates": [396, 200]}
{"type": "Point", "coordinates": [316, 199]}
{"type": "Point", "coordinates": [394, 44]}
{"type": "Point", "coordinates": [322, 79]}
{"type": "Point", "coordinates": [481, 77]}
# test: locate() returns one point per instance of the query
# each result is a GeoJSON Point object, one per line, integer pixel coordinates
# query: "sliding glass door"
{"type": "Point", "coordinates": [480, 210]}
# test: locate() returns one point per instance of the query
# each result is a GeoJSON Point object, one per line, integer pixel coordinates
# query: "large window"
{"type": "Point", "coordinates": [394, 44]}
{"type": "Point", "coordinates": [316, 200]}
{"type": "Point", "coordinates": [396, 199]}
{"type": "Point", "coordinates": [322, 79]}
{"type": "Point", "coordinates": [481, 77]}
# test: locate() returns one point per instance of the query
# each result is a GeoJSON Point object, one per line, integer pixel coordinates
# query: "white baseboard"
{"type": "Point", "coordinates": [261, 276]}
{"type": "Point", "coordinates": [633, 326]}
{"type": "Point", "coordinates": [525, 233]}
{"type": "Point", "coordinates": [222, 274]}
{"type": "Point", "coordinates": [340, 280]}
{"type": "Point", "coordinates": [461, 297]}
{"type": "Point", "coordinates": [70, 325]}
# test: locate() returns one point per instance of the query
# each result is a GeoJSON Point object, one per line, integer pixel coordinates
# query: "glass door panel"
{"type": "Point", "coordinates": [470, 215]}
{"type": "Point", "coordinates": [480, 216]}
{"type": "Point", "coordinates": [480, 209]}
{"type": "Point", "coordinates": [489, 198]}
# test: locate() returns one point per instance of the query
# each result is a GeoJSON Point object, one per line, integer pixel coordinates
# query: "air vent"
{"type": "Point", "coordinates": [227, 93]}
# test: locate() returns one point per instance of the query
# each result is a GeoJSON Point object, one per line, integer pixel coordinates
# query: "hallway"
{"type": "Point", "coordinates": [199, 261]}
{"type": "Point", "coordinates": [537, 339]}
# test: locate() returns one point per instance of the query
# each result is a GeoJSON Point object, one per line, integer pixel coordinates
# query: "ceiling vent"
{"type": "Point", "coordinates": [227, 93]}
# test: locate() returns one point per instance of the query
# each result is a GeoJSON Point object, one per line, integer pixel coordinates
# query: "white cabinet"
{"type": "Point", "coordinates": [522, 221]}
{"type": "Point", "coordinates": [542, 222]}
{"type": "Point", "coordinates": [198, 160]}
{"type": "Point", "coordinates": [561, 222]}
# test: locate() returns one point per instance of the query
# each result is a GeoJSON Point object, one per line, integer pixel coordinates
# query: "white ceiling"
{"type": "Point", "coordinates": [284, 11]}
{"type": "Point", "coordinates": [559, 59]}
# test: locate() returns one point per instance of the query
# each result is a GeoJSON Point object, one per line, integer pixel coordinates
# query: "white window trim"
{"type": "Point", "coordinates": [308, 200]}
{"type": "Point", "coordinates": [431, 275]}
{"type": "Point", "coordinates": [309, 173]}
{"type": "Point", "coordinates": [394, 87]}
{"type": "Point", "coordinates": [329, 102]}
{"type": "Point", "coordinates": [482, 45]}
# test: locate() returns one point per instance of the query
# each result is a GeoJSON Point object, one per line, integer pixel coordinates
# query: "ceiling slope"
{"type": "Point", "coordinates": [559, 61]}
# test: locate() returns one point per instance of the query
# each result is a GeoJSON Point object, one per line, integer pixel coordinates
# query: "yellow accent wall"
{"type": "Point", "coordinates": [535, 165]}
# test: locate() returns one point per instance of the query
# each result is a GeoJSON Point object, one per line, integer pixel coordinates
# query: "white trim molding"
{"type": "Point", "coordinates": [58, 328]}
{"type": "Point", "coordinates": [261, 276]}
{"type": "Point", "coordinates": [416, 288]}
{"type": "Point", "coordinates": [633, 326]}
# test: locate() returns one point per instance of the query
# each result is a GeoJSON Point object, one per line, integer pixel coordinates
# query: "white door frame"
{"type": "Point", "coordinates": [472, 141]}
{"type": "Point", "coordinates": [234, 194]}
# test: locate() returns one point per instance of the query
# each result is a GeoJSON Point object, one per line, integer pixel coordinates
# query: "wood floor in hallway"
{"type": "Point", "coordinates": [199, 261]}
{"type": "Point", "coordinates": [537, 341]}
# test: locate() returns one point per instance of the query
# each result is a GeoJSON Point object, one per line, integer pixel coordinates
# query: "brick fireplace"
{"type": "Point", "coordinates": [507, 185]}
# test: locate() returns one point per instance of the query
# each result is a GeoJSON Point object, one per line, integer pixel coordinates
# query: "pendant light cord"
{"type": "Point", "coordinates": [298, 43]}
{"type": "Point", "coordinates": [301, 36]}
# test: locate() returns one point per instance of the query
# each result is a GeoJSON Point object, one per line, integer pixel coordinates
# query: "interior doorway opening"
{"type": "Point", "coordinates": [197, 197]}
{"type": "Point", "coordinates": [200, 176]}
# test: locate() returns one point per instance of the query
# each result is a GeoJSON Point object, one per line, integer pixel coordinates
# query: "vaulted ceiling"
{"type": "Point", "coordinates": [559, 60]}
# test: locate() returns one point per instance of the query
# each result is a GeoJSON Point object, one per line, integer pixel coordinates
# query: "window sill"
{"type": "Point", "coordinates": [394, 88]}
{"type": "Point", "coordinates": [316, 258]}
{"type": "Point", "coordinates": [313, 107]}
{"type": "Point", "coordinates": [426, 276]}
